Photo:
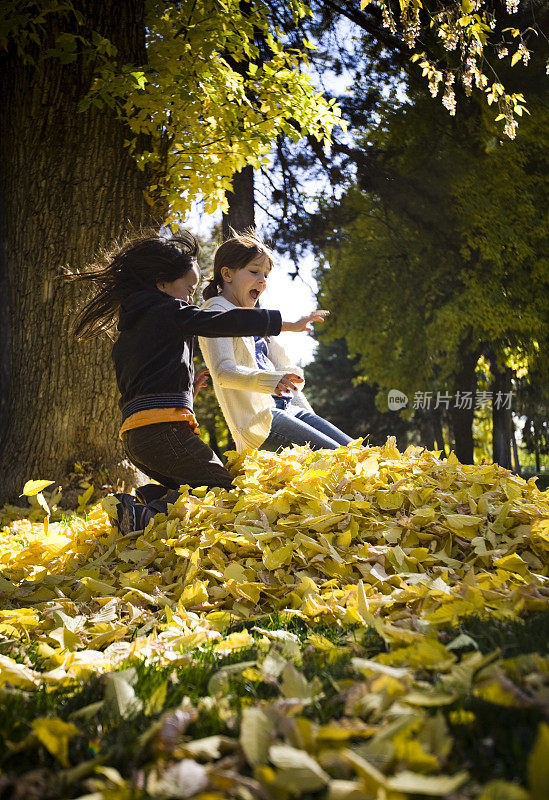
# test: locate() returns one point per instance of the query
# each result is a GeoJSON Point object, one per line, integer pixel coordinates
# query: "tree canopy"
{"type": "Point", "coordinates": [204, 119]}
{"type": "Point", "coordinates": [223, 79]}
{"type": "Point", "coordinates": [448, 245]}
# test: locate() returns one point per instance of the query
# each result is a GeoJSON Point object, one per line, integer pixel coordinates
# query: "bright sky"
{"type": "Point", "coordinates": [294, 299]}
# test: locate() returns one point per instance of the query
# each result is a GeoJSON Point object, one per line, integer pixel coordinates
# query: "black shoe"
{"type": "Point", "coordinates": [131, 516]}
{"type": "Point", "coordinates": [149, 492]}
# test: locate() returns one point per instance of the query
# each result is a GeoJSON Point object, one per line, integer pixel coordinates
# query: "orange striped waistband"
{"type": "Point", "coordinates": [153, 415]}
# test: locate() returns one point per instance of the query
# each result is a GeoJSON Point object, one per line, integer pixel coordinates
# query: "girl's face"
{"type": "Point", "coordinates": [182, 288]}
{"type": "Point", "coordinates": [244, 287]}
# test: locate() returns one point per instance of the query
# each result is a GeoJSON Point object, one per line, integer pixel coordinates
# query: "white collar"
{"type": "Point", "coordinates": [222, 301]}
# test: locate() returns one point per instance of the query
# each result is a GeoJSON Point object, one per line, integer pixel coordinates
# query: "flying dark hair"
{"type": "Point", "coordinates": [140, 263]}
{"type": "Point", "coordinates": [235, 253]}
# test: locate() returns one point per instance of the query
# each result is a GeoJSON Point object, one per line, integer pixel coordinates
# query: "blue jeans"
{"type": "Point", "coordinates": [295, 425]}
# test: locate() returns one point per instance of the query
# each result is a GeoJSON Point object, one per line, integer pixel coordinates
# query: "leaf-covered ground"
{"type": "Point", "coordinates": [347, 625]}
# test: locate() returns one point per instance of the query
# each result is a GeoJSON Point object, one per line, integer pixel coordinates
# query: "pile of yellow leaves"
{"type": "Point", "coordinates": [404, 543]}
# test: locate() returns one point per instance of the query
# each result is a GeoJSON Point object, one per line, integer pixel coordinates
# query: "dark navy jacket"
{"type": "Point", "coordinates": [153, 355]}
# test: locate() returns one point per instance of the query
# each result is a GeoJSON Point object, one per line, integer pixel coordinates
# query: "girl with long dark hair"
{"type": "Point", "coordinates": [146, 288]}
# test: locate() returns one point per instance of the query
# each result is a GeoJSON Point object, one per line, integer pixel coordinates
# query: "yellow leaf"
{"type": "Point", "coordinates": [55, 735]}
{"type": "Point", "coordinates": [389, 501]}
{"type": "Point", "coordinates": [85, 496]}
{"type": "Point", "coordinates": [439, 786]}
{"type": "Point", "coordinates": [369, 467]}
{"type": "Point", "coordinates": [256, 732]}
{"type": "Point", "coordinates": [538, 765]}
{"type": "Point", "coordinates": [503, 790]}
{"type": "Point", "coordinates": [424, 515]}
{"type": "Point", "coordinates": [512, 563]}
{"type": "Point", "coordinates": [155, 702]}
{"type": "Point", "coordinates": [33, 487]}
{"type": "Point", "coordinates": [465, 524]}
{"type": "Point", "coordinates": [274, 560]}
{"type": "Point", "coordinates": [516, 58]}
{"type": "Point", "coordinates": [17, 674]}
{"type": "Point", "coordinates": [295, 684]}
{"type": "Point", "coordinates": [373, 779]}
{"type": "Point", "coordinates": [409, 750]}
{"type": "Point", "coordinates": [235, 641]}
{"type": "Point", "coordinates": [194, 595]}
{"type": "Point", "coordinates": [297, 769]}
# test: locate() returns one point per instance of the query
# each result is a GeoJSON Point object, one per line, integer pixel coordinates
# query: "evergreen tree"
{"type": "Point", "coordinates": [334, 388]}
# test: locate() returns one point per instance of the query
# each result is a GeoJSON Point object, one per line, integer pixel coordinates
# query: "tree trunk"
{"type": "Point", "coordinates": [502, 420]}
{"type": "Point", "coordinates": [67, 188]}
{"type": "Point", "coordinates": [462, 417]}
{"type": "Point", "coordinates": [241, 212]}
{"type": "Point", "coordinates": [437, 426]}
{"type": "Point", "coordinates": [4, 324]}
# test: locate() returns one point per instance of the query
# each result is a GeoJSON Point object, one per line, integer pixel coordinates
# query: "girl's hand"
{"type": "Point", "coordinates": [305, 323]}
{"type": "Point", "coordinates": [200, 380]}
{"type": "Point", "coordinates": [286, 383]}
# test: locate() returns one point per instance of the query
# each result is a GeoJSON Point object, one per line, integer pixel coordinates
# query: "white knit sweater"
{"type": "Point", "coordinates": [244, 391]}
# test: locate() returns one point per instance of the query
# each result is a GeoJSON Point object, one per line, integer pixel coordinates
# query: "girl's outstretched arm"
{"type": "Point", "coordinates": [305, 323]}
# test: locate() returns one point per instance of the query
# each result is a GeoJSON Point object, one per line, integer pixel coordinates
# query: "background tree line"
{"type": "Point", "coordinates": [431, 242]}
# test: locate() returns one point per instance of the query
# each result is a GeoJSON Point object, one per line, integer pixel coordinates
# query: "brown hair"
{"type": "Point", "coordinates": [235, 253]}
{"type": "Point", "coordinates": [140, 263]}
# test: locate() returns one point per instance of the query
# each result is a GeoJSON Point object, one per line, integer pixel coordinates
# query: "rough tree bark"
{"type": "Point", "coordinates": [67, 188]}
{"type": "Point", "coordinates": [241, 213]}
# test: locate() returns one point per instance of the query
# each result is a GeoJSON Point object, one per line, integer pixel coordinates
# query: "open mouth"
{"type": "Point", "coordinates": [254, 294]}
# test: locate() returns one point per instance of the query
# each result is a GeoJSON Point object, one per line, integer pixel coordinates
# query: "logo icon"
{"type": "Point", "coordinates": [396, 400]}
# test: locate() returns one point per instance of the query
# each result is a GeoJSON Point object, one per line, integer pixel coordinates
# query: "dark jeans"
{"type": "Point", "coordinates": [295, 425]}
{"type": "Point", "coordinates": [172, 454]}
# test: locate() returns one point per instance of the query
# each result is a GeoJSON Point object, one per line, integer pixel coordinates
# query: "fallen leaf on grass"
{"type": "Point", "coordinates": [55, 735]}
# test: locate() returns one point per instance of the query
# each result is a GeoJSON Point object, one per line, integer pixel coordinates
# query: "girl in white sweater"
{"type": "Point", "coordinates": [258, 389]}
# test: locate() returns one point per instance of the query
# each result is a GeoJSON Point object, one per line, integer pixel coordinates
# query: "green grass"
{"type": "Point", "coordinates": [512, 637]}
{"type": "Point", "coordinates": [495, 744]}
